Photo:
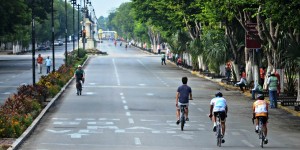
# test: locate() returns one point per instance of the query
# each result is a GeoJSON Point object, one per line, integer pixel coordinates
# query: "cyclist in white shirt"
{"type": "Point", "coordinates": [218, 105]}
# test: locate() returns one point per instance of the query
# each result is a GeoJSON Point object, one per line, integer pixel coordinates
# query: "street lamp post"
{"type": "Point", "coordinates": [78, 9]}
{"type": "Point", "coordinates": [66, 35]}
{"type": "Point", "coordinates": [52, 20]}
{"type": "Point", "coordinates": [73, 2]}
{"type": "Point", "coordinates": [33, 43]}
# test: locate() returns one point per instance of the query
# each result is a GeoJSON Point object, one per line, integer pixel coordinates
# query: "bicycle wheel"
{"type": "Point", "coordinates": [182, 118]}
{"type": "Point", "coordinates": [219, 135]}
{"type": "Point", "coordinates": [261, 133]}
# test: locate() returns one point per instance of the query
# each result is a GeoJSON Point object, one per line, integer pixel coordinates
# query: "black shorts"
{"type": "Point", "coordinates": [222, 115]}
{"type": "Point", "coordinates": [264, 119]}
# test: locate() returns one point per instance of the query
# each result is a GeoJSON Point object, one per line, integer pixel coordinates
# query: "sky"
{"type": "Point", "coordinates": [104, 7]}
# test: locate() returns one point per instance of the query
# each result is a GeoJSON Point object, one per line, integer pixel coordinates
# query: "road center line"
{"type": "Point", "coordinates": [126, 107]}
{"type": "Point", "coordinates": [128, 114]}
{"type": "Point", "coordinates": [116, 72]}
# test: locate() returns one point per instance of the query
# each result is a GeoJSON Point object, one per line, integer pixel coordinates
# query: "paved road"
{"type": "Point", "coordinates": [16, 70]}
{"type": "Point", "coordinates": [128, 103]}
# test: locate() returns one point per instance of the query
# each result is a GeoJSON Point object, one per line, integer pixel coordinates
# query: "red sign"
{"type": "Point", "coordinates": [251, 42]}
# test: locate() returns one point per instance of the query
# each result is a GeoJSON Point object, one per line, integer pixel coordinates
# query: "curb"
{"type": "Point", "coordinates": [291, 111]}
{"type": "Point", "coordinates": [36, 121]}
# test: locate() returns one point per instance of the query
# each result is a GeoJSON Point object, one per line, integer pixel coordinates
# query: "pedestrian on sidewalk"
{"type": "Point", "coordinates": [257, 89]}
{"type": "Point", "coordinates": [228, 71]}
{"type": "Point", "coordinates": [48, 63]}
{"type": "Point", "coordinates": [163, 59]}
{"type": "Point", "coordinates": [272, 84]}
{"type": "Point", "coordinates": [39, 63]}
{"type": "Point", "coordinates": [242, 84]}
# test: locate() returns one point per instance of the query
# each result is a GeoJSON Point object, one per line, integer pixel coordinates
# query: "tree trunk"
{"type": "Point", "coordinates": [298, 97]}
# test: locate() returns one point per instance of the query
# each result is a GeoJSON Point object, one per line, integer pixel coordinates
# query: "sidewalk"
{"type": "Point", "coordinates": [247, 93]}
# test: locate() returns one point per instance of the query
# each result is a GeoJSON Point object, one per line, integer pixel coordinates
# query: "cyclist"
{"type": "Point", "coordinates": [79, 75]}
{"type": "Point", "coordinates": [183, 95]}
{"type": "Point", "coordinates": [260, 109]}
{"type": "Point", "coordinates": [219, 105]}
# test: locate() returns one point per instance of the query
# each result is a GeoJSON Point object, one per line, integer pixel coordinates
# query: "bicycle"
{"type": "Point", "coordinates": [79, 86]}
{"type": "Point", "coordinates": [219, 130]}
{"type": "Point", "coordinates": [182, 116]}
{"type": "Point", "coordinates": [261, 133]}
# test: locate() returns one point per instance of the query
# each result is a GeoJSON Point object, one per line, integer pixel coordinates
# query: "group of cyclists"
{"type": "Point", "coordinates": [218, 105]}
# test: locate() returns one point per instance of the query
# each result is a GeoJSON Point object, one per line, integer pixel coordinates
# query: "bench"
{"type": "Point", "coordinates": [265, 93]}
{"type": "Point", "coordinates": [217, 76]}
{"type": "Point", "coordinates": [288, 100]}
{"type": "Point", "coordinates": [297, 107]}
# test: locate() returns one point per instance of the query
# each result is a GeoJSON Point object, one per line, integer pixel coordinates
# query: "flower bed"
{"type": "Point", "coordinates": [20, 109]}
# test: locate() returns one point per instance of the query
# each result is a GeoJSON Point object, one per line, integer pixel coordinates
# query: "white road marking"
{"type": "Point", "coordinates": [193, 103]}
{"type": "Point", "coordinates": [144, 128]}
{"type": "Point", "coordinates": [121, 94]}
{"type": "Point", "coordinates": [122, 97]}
{"type": "Point", "coordinates": [156, 132]}
{"type": "Point", "coordinates": [200, 109]}
{"type": "Point", "coordinates": [57, 122]}
{"type": "Point", "coordinates": [126, 107]}
{"type": "Point", "coordinates": [137, 141]}
{"type": "Point", "coordinates": [116, 72]}
{"type": "Point", "coordinates": [171, 132]}
{"type": "Point", "coordinates": [147, 120]}
{"type": "Point", "coordinates": [130, 120]}
{"type": "Point", "coordinates": [120, 131]}
{"type": "Point", "coordinates": [89, 93]}
{"type": "Point", "coordinates": [149, 94]}
{"type": "Point", "coordinates": [235, 133]}
{"type": "Point", "coordinates": [92, 127]}
{"type": "Point", "coordinates": [128, 114]}
{"type": "Point", "coordinates": [141, 84]}
{"type": "Point", "coordinates": [76, 135]}
{"type": "Point", "coordinates": [124, 102]}
{"type": "Point", "coordinates": [6, 93]}
{"type": "Point", "coordinates": [54, 131]}
{"type": "Point", "coordinates": [91, 122]}
{"type": "Point", "coordinates": [247, 143]}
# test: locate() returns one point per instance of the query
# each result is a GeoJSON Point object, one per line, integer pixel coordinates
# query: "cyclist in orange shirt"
{"type": "Point", "coordinates": [260, 109]}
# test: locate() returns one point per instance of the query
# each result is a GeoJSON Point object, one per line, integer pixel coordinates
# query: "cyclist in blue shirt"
{"type": "Point", "coordinates": [218, 105]}
{"type": "Point", "coordinates": [183, 95]}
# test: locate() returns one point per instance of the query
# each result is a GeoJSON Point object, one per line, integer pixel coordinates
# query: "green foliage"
{"type": "Point", "coordinates": [215, 49]}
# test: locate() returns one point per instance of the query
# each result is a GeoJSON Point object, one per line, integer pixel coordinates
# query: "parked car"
{"type": "Point", "coordinates": [58, 43]}
{"type": "Point", "coordinates": [43, 48]}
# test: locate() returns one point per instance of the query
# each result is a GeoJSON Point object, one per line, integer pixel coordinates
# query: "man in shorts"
{"type": "Point", "coordinates": [183, 95]}
{"type": "Point", "coordinates": [260, 109]}
{"type": "Point", "coordinates": [219, 105]}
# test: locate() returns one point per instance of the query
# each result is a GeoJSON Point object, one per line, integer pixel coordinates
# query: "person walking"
{"type": "Point", "coordinates": [48, 63]}
{"type": "Point", "coordinates": [272, 84]}
{"type": "Point", "coordinates": [183, 95]}
{"type": "Point", "coordinates": [39, 61]}
{"type": "Point", "coordinates": [163, 59]}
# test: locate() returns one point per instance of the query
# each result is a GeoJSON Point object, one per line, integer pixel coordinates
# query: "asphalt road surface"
{"type": "Point", "coordinates": [128, 103]}
{"type": "Point", "coordinates": [16, 70]}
